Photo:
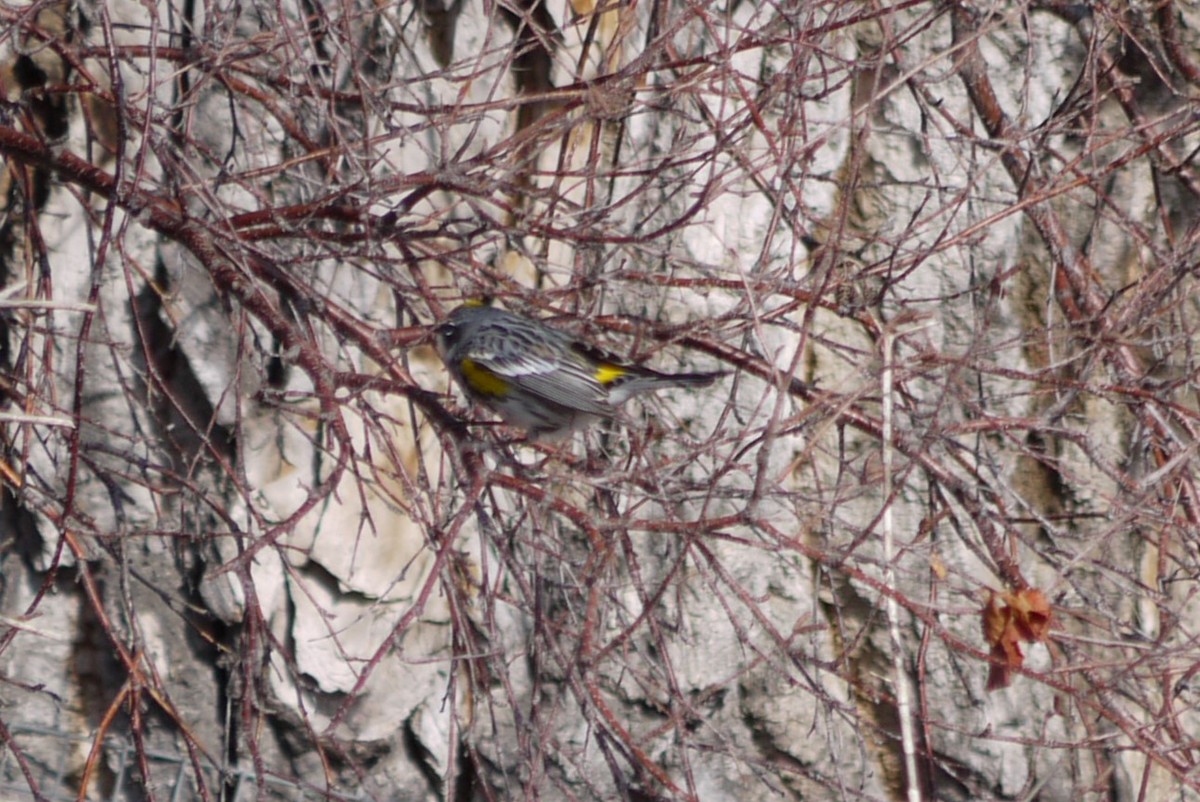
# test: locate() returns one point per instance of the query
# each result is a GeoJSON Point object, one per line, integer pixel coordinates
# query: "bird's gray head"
{"type": "Point", "coordinates": [459, 323]}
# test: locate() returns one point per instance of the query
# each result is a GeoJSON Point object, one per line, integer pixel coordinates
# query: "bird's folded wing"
{"type": "Point", "coordinates": [566, 384]}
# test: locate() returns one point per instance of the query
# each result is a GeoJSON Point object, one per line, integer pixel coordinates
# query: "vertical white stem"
{"type": "Point", "coordinates": [903, 698]}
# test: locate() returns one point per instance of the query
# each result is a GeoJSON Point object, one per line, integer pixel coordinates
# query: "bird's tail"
{"type": "Point", "coordinates": [645, 380]}
{"type": "Point", "coordinates": [692, 379]}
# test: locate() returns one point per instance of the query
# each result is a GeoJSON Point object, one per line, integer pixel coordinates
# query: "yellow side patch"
{"type": "Point", "coordinates": [481, 380]}
{"type": "Point", "coordinates": [607, 374]}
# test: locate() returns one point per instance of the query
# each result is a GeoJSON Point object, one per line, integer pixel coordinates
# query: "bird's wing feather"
{"type": "Point", "coordinates": [565, 383]}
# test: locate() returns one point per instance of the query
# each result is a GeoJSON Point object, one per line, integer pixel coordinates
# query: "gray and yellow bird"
{"type": "Point", "coordinates": [539, 378]}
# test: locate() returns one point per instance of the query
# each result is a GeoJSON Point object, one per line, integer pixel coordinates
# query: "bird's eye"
{"type": "Point", "coordinates": [447, 332]}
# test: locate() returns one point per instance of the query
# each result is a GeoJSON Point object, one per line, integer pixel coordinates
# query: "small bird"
{"type": "Point", "coordinates": [539, 378]}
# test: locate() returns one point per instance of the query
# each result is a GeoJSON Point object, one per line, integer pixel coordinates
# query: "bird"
{"type": "Point", "coordinates": [539, 378]}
